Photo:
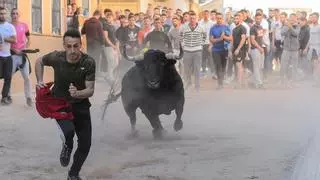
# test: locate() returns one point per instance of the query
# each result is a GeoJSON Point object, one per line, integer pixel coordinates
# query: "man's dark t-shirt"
{"type": "Point", "coordinates": [159, 40]}
{"type": "Point", "coordinates": [121, 35]}
{"type": "Point", "coordinates": [257, 31]}
{"type": "Point", "coordinates": [111, 33]}
{"type": "Point", "coordinates": [66, 73]}
{"type": "Point", "coordinates": [132, 36]}
{"type": "Point", "coordinates": [237, 32]}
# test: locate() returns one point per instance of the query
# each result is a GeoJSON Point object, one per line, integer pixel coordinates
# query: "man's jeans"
{"type": "Point", "coordinates": [111, 58]}
{"type": "Point", "coordinates": [192, 63]}
{"type": "Point", "coordinates": [289, 64]}
{"type": "Point", "coordinates": [6, 74]}
{"type": "Point", "coordinates": [258, 64]}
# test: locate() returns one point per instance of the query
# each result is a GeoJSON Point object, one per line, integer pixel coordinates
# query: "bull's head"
{"type": "Point", "coordinates": [153, 63]}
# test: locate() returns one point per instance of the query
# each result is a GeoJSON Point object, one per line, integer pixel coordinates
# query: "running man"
{"type": "Point", "coordinates": [74, 80]}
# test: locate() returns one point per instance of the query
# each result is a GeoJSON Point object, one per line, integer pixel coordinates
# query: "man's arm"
{"type": "Point", "coordinates": [11, 39]}
{"type": "Point", "coordinates": [106, 36]}
{"type": "Point", "coordinates": [85, 93]}
{"type": "Point", "coordinates": [39, 69]}
{"type": "Point", "coordinates": [284, 31]}
{"type": "Point", "coordinates": [243, 40]}
{"type": "Point", "coordinates": [255, 43]}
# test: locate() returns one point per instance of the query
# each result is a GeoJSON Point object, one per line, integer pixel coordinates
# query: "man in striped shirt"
{"type": "Point", "coordinates": [193, 38]}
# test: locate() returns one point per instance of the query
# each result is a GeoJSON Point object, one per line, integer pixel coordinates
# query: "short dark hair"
{"type": "Point", "coordinates": [304, 13]}
{"type": "Point", "coordinates": [97, 12]}
{"type": "Point", "coordinates": [285, 14]}
{"type": "Point", "coordinates": [122, 17]}
{"type": "Point", "coordinates": [218, 14]}
{"type": "Point", "coordinates": [192, 14]}
{"type": "Point", "coordinates": [156, 8]}
{"type": "Point", "coordinates": [127, 10]}
{"type": "Point", "coordinates": [131, 16]}
{"type": "Point", "coordinates": [157, 19]}
{"type": "Point", "coordinates": [2, 8]}
{"type": "Point", "coordinates": [163, 14]}
{"type": "Point", "coordinates": [277, 10]}
{"type": "Point", "coordinates": [259, 10]}
{"type": "Point", "coordinates": [303, 19]}
{"type": "Point", "coordinates": [74, 33]}
{"type": "Point", "coordinates": [185, 13]}
{"type": "Point", "coordinates": [213, 11]}
{"type": "Point", "coordinates": [258, 14]}
{"type": "Point", "coordinates": [315, 14]}
{"type": "Point", "coordinates": [178, 9]}
{"type": "Point", "coordinates": [107, 11]}
{"type": "Point", "coordinates": [206, 11]}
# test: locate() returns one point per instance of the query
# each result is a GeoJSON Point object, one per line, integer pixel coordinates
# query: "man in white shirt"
{"type": "Point", "coordinates": [206, 24]}
{"type": "Point", "coordinates": [7, 37]}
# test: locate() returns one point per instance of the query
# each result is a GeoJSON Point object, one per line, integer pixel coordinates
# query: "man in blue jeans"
{"type": "Point", "coordinates": [219, 34]}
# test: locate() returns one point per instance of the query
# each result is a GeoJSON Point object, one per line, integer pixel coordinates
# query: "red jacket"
{"type": "Point", "coordinates": [52, 107]}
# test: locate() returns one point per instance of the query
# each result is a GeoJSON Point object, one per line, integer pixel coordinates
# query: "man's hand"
{"type": "Point", "coordinates": [305, 51]}
{"type": "Point", "coordinates": [40, 85]}
{"type": "Point", "coordinates": [261, 50]}
{"type": "Point", "coordinates": [17, 52]}
{"type": "Point", "coordinates": [236, 52]}
{"type": "Point", "coordinates": [73, 91]}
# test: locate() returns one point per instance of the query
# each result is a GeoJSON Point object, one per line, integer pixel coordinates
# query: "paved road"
{"type": "Point", "coordinates": [227, 135]}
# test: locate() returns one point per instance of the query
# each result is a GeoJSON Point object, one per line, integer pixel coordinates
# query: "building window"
{"type": "Point", "coordinates": [85, 8]}
{"type": "Point", "coordinates": [37, 16]}
{"type": "Point", "coordinates": [9, 4]}
{"type": "Point", "coordinates": [56, 17]}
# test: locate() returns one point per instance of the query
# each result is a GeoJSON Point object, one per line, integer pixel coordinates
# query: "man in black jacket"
{"type": "Point", "coordinates": [304, 37]}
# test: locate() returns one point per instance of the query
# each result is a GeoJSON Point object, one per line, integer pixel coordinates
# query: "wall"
{"type": "Point", "coordinates": [216, 4]}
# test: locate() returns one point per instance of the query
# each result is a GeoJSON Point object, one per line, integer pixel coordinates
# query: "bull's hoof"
{"type": "Point", "coordinates": [178, 124]}
{"type": "Point", "coordinates": [158, 133]}
{"type": "Point", "coordinates": [133, 134]}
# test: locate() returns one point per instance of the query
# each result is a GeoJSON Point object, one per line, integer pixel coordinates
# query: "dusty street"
{"type": "Point", "coordinates": [227, 135]}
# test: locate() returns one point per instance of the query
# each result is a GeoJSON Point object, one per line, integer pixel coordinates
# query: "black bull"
{"type": "Point", "coordinates": [154, 86]}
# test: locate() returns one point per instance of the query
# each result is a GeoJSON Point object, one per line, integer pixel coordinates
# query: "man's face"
{"type": "Point", "coordinates": [277, 14]}
{"type": "Point", "coordinates": [73, 48]}
{"type": "Point", "coordinates": [117, 13]}
{"type": "Point", "coordinates": [193, 19]}
{"type": "Point", "coordinates": [179, 12]}
{"type": "Point", "coordinates": [219, 19]}
{"type": "Point", "coordinates": [163, 19]}
{"type": "Point", "coordinates": [69, 8]}
{"type": "Point", "coordinates": [314, 19]}
{"type": "Point", "coordinates": [175, 22]}
{"type": "Point", "coordinates": [141, 16]}
{"type": "Point", "coordinates": [302, 22]}
{"type": "Point", "coordinates": [169, 12]}
{"type": "Point", "coordinates": [283, 18]}
{"type": "Point", "coordinates": [158, 24]}
{"type": "Point", "coordinates": [132, 21]}
{"type": "Point", "coordinates": [74, 7]}
{"type": "Point", "coordinates": [271, 13]}
{"type": "Point", "coordinates": [146, 22]}
{"type": "Point", "coordinates": [237, 20]}
{"type": "Point", "coordinates": [126, 13]}
{"type": "Point", "coordinates": [206, 15]}
{"type": "Point", "coordinates": [157, 11]}
{"type": "Point", "coordinates": [109, 19]}
{"type": "Point", "coordinates": [213, 16]}
{"type": "Point", "coordinates": [15, 15]}
{"type": "Point", "coordinates": [293, 19]}
{"type": "Point", "coordinates": [186, 18]}
{"type": "Point", "coordinates": [258, 20]}
{"type": "Point", "coordinates": [3, 14]}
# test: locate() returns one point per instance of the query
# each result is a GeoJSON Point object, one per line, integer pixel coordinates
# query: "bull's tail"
{"type": "Point", "coordinates": [112, 97]}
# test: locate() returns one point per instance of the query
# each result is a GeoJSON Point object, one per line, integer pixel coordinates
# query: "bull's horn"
{"type": "Point", "coordinates": [129, 58]}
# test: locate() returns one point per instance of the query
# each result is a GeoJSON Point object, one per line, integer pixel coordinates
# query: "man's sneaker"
{"type": "Point", "coordinates": [29, 102]}
{"type": "Point", "coordinates": [74, 177]}
{"type": "Point", "coordinates": [5, 101]}
{"type": "Point", "coordinates": [10, 99]}
{"type": "Point", "coordinates": [65, 155]}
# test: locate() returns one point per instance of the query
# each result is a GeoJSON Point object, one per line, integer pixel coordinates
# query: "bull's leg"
{"type": "Point", "coordinates": [178, 124]}
{"type": "Point", "coordinates": [131, 112]}
{"type": "Point", "coordinates": [156, 125]}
